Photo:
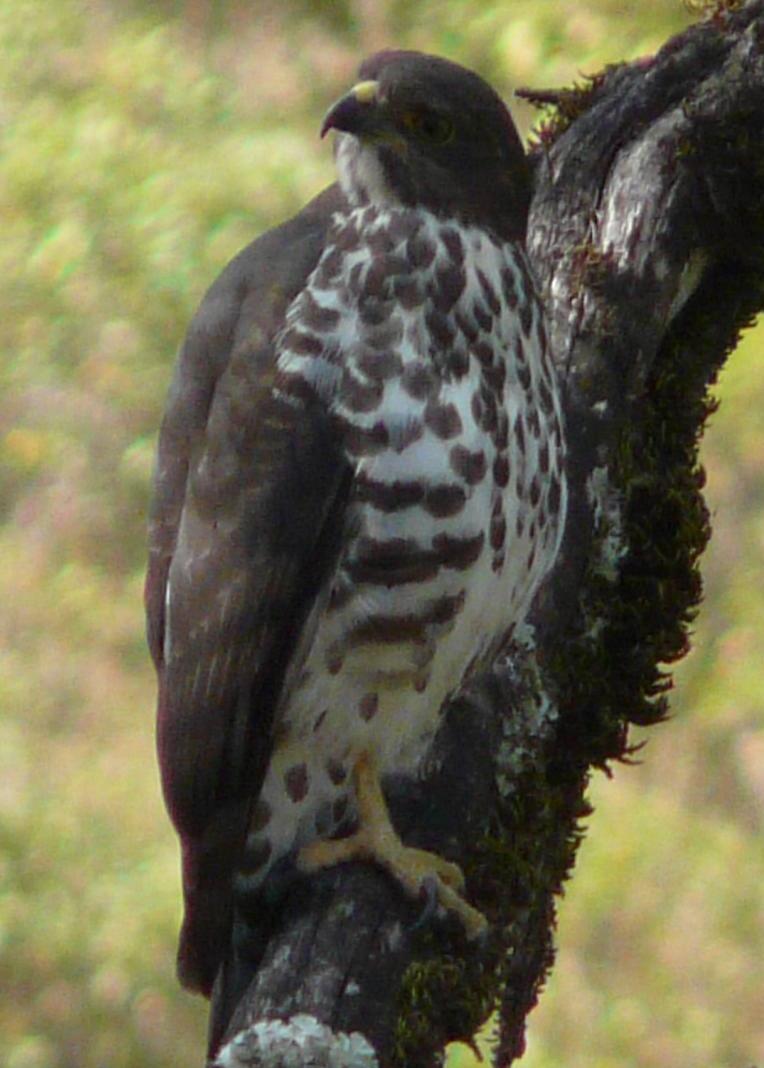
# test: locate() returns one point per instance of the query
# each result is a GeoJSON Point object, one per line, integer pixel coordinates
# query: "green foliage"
{"type": "Point", "coordinates": [142, 146]}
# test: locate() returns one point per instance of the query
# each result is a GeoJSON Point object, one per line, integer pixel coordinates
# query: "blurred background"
{"type": "Point", "coordinates": [143, 143]}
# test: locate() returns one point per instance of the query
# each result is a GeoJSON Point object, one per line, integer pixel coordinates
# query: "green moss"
{"type": "Point", "coordinates": [442, 999]}
{"type": "Point", "coordinates": [563, 106]}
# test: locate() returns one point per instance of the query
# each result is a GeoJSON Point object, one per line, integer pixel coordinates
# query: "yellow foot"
{"type": "Point", "coordinates": [377, 840]}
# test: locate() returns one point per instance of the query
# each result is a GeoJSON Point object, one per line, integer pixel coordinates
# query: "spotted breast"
{"type": "Point", "coordinates": [426, 344]}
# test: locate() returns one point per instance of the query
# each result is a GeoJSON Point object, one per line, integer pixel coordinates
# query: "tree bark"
{"type": "Point", "coordinates": [647, 235]}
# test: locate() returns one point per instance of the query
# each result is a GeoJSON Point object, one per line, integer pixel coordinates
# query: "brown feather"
{"type": "Point", "coordinates": [245, 525]}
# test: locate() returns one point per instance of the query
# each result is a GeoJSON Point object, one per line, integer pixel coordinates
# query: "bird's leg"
{"type": "Point", "coordinates": [376, 840]}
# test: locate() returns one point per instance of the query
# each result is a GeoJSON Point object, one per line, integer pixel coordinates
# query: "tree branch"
{"type": "Point", "coordinates": [647, 234]}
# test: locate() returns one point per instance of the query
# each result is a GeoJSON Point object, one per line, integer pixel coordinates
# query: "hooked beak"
{"type": "Point", "coordinates": [356, 113]}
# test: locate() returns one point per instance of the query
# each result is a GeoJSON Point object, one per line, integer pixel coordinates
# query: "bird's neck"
{"type": "Point", "coordinates": [361, 175]}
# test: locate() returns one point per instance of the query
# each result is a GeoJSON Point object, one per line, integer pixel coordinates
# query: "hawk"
{"type": "Point", "coordinates": [360, 485]}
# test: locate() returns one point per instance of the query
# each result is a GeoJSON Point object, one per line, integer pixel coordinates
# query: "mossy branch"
{"type": "Point", "coordinates": [647, 234]}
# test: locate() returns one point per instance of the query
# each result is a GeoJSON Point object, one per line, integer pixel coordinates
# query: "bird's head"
{"type": "Point", "coordinates": [417, 130]}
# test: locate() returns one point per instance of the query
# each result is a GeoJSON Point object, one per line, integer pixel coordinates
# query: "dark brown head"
{"type": "Point", "coordinates": [421, 131]}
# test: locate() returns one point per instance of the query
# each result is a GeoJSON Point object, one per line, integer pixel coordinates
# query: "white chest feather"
{"type": "Point", "coordinates": [427, 345]}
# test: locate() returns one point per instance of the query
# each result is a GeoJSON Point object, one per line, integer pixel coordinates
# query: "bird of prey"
{"type": "Point", "coordinates": [360, 485]}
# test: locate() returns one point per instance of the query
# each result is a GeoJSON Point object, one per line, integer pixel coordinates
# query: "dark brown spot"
{"type": "Point", "coordinates": [449, 286]}
{"type": "Point", "coordinates": [526, 317]}
{"type": "Point", "coordinates": [317, 317]}
{"type": "Point", "coordinates": [534, 423]}
{"type": "Point", "coordinates": [407, 292]}
{"type": "Point", "coordinates": [545, 397]}
{"type": "Point", "coordinates": [467, 326]}
{"type": "Point", "coordinates": [385, 336]}
{"type": "Point", "coordinates": [498, 562]}
{"type": "Point", "coordinates": [507, 282]}
{"type": "Point", "coordinates": [296, 782]}
{"type": "Point", "coordinates": [531, 559]}
{"type": "Point", "coordinates": [380, 366]}
{"type": "Point", "coordinates": [502, 429]}
{"type": "Point", "coordinates": [477, 407]}
{"type": "Point", "coordinates": [490, 411]}
{"type": "Point", "coordinates": [446, 608]}
{"type": "Point", "coordinates": [501, 470]}
{"type": "Point", "coordinates": [373, 312]}
{"type": "Point", "coordinates": [255, 856]}
{"type": "Point", "coordinates": [524, 376]}
{"type": "Point", "coordinates": [347, 237]}
{"type": "Point", "coordinates": [393, 562]}
{"type": "Point", "coordinates": [294, 385]}
{"type": "Point", "coordinates": [420, 684]}
{"type": "Point", "coordinates": [454, 245]}
{"type": "Point", "coordinates": [318, 723]}
{"type": "Point", "coordinates": [442, 419]}
{"type": "Point", "coordinates": [484, 352]}
{"type": "Point", "coordinates": [483, 317]}
{"type": "Point", "coordinates": [458, 553]}
{"type": "Point", "coordinates": [420, 251]}
{"type": "Point", "coordinates": [388, 496]}
{"type": "Point", "coordinates": [368, 706]}
{"type": "Point", "coordinates": [302, 344]}
{"type": "Point", "coordinates": [495, 376]}
{"type": "Point", "coordinates": [519, 349]}
{"type": "Point", "coordinates": [334, 665]}
{"type": "Point", "coordinates": [519, 429]}
{"type": "Point", "coordinates": [330, 267]}
{"type": "Point", "coordinates": [458, 363]}
{"type": "Point", "coordinates": [379, 241]}
{"type": "Point", "coordinates": [398, 561]}
{"type": "Point", "coordinates": [544, 458]}
{"type": "Point", "coordinates": [519, 525]}
{"type": "Point", "coordinates": [360, 396]}
{"type": "Point", "coordinates": [336, 771]}
{"type": "Point", "coordinates": [339, 810]}
{"type": "Point", "coordinates": [418, 380]}
{"type": "Point", "coordinates": [444, 500]}
{"type": "Point", "coordinates": [489, 292]}
{"type": "Point", "coordinates": [405, 629]}
{"type": "Point", "coordinates": [468, 465]}
{"type": "Point", "coordinates": [388, 630]}
{"type": "Point", "coordinates": [261, 816]}
{"type": "Point", "coordinates": [553, 497]}
{"type": "Point", "coordinates": [440, 328]}
{"type": "Point", "coordinates": [376, 284]}
{"type": "Point", "coordinates": [366, 441]}
{"type": "Point", "coordinates": [498, 532]}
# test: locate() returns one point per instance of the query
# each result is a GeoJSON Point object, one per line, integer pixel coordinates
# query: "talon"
{"type": "Point", "coordinates": [429, 890]}
{"type": "Point", "coordinates": [377, 840]}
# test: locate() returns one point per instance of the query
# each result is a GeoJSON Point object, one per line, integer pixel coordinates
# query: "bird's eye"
{"type": "Point", "coordinates": [429, 126]}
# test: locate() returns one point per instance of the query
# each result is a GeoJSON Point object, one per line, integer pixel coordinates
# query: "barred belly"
{"type": "Point", "coordinates": [445, 400]}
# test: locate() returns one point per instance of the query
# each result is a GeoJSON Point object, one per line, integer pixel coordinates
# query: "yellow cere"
{"type": "Point", "coordinates": [365, 92]}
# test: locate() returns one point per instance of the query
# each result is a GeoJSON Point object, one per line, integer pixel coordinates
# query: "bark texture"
{"type": "Point", "coordinates": [647, 235]}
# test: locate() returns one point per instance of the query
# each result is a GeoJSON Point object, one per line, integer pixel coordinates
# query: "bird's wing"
{"type": "Point", "coordinates": [246, 525]}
